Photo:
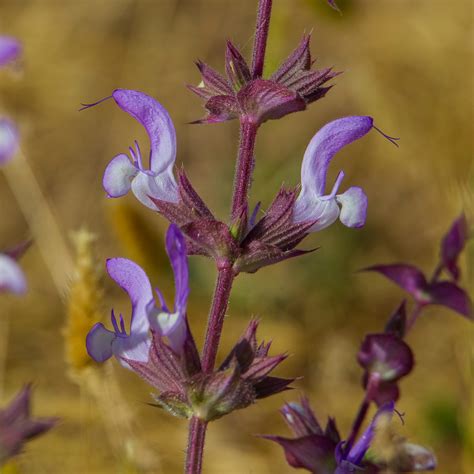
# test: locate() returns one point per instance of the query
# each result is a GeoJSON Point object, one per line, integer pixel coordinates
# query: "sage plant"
{"type": "Point", "coordinates": [159, 345]}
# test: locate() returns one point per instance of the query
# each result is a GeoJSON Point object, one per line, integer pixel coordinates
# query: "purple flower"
{"type": "Point", "coordinates": [12, 278]}
{"type": "Point", "coordinates": [386, 359]}
{"type": "Point", "coordinates": [351, 458]}
{"type": "Point", "coordinates": [414, 282]}
{"type": "Point", "coordinates": [290, 89]}
{"type": "Point", "coordinates": [103, 343]}
{"type": "Point", "coordinates": [126, 173]}
{"type": "Point", "coordinates": [435, 291]}
{"type": "Point", "coordinates": [8, 140]}
{"type": "Point", "coordinates": [313, 205]}
{"type": "Point", "coordinates": [17, 426]}
{"type": "Point", "coordinates": [333, 4]}
{"type": "Point", "coordinates": [452, 245]}
{"type": "Point", "coordinates": [10, 49]}
{"type": "Point", "coordinates": [312, 448]}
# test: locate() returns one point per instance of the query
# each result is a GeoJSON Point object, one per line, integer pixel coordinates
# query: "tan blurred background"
{"type": "Point", "coordinates": [407, 62]}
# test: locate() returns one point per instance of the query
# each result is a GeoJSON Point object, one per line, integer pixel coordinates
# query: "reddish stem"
{"type": "Point", "coordinates": [220, 301]}
{"type": "Point", "coordinates": [244, 167]}
{"type": "Point", "coordinates": [197, 435]}
{"type": "Point", "coordinates": [261, 36]}
{"type": "Point", "coordinates": [225, 277]}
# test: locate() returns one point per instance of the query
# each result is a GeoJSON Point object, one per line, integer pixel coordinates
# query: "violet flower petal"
{"type": "Point", "coordinates": [386, 355]}
{"type": "Point", "coordinates": [325, 144]}
{"type": "Point", "coordinates": [353, 207]}
{"type": "Point", "coordinates": [99, 343]}
{"type": "Point", "coordinates": [10, 49]}
{"type": "Point", "coordinates": [12, 278]}
{"type": "Point", "coordinates": [8, 140]}
{"type": "Point", "coordinates": [161, 187]}
{"type": "Point", "coordinates": [312, 204]}
{"type": "Point", "coordinates": [408, 277]}
{"type": "Point", "coordinates": [357, 452]}
{"type": "Point", "coordinates": [312, 452]}
{"type": "Point", "coordinates": [174, 325]}
{"type": "Point", "coordinates": [118, 176]}
{"type": "Point", "coordinates": [450, 295]}
{"type": "Point", "coordinates": [452, 245]}
{"type": "Point", "coordinates": [158, 181]}
{"type": "Point", "coordinates": [176, 249]}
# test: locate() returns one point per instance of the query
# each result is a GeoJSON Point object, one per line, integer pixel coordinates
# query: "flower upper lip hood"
{"type": "Point", "coordinates": [103, 343]}
{"type": "Point", "coordinates": [126, 173]}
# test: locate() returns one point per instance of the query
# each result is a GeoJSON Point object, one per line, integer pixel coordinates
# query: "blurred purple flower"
{"type": "Point", "coordinates": [452, 245]}
{"type": "Point", "coordinates": [8, 140]}
{"type": "Point", "coordinates": [413, 281]}
{"type": "Point", "coordinates": [312, 448]}
{"type": "Point", "coordinates": [333, 4]}
{"type": "Point", "coordinates": [350, 458]}
{"type": "Point", "coordinates": [290, 89]}
{"type": "Point", "coordinates": [386, 359]}
{"type": "Point", "coordinates": [123, 174]}
{"type": "Point", "coordinates": [12, 278]}
{"type": "Point", "coordinates": [103, 343]}
{"type": "Point", "coordinates": [313, 204]}
{"type": "Point", "coordinates": [17, 426]}
{"type": "Point", "coordinates": [10, 49]}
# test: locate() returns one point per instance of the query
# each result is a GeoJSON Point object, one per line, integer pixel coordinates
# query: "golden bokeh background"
{"type": "Point", "coordinates": [406, 62]}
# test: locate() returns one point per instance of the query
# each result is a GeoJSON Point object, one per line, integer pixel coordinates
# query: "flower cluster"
{"type": "Point", "coordinates": [161, 349]}
{"type": "Point", "coordinates": [289, 89]}
{"type": "Point", "coordinates": [321, 451]}
{"type": "Point", "coordinates": [246, 244]}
